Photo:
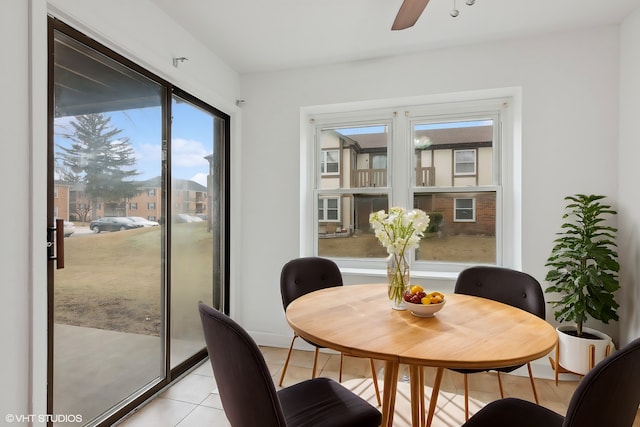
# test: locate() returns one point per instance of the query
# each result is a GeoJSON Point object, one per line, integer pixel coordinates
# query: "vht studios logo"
{"type": "Point", "coordinates": [42, 418]}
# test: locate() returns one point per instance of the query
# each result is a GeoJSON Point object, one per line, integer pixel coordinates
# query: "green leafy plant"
{"type": "Point", "coordinates": [583, 262]}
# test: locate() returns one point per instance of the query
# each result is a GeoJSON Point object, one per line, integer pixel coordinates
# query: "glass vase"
{"type": "Point", "coordinates": [397, 279]}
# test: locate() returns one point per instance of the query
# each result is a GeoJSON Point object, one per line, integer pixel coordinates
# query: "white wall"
{"type": "Point", "coordinates": [569, 141]}
{"type": "Point", "coordinates": [629, 177]}
{"type": "Point", "coordinates": [14, 173]}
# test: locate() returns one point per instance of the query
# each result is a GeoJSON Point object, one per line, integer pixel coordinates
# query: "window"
{"type": "Point", "coordinates": [133, 206]}
{"type": "Point", "coordinates": [465, 162]}
{"type": "Point", "coordinates": [345, 199]}
{"type": "Point", "coordinates": [329, 209]}
{"type": "Point", "coordinates": [329, 164]}
{"type": "Point", "coordinates": [379, 161]}
{"type": "Point", "coordinates": [446, 159]}
{"type": "Point", "coordinates": [464, 210]}
{"type": "Point", "coordinates": [151, 192]}
{"type": "Point", "coordinates": [151, 205]}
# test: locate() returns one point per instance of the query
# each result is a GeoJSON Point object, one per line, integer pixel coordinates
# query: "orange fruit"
{"type": "Point", "coordinates": [415, 289]}
{"type": "Point", "coordinates": [426, 300]}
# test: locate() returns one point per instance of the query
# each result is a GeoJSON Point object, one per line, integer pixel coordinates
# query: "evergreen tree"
{"type": "Point", "coordinates": [100, 159]}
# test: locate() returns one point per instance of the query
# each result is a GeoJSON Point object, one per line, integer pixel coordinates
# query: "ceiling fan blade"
{"type": "Point", "coordinates": [409, 13]}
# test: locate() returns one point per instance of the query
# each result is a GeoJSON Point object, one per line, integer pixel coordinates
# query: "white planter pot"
{"type": "Point", "coordinates": [574, 351]}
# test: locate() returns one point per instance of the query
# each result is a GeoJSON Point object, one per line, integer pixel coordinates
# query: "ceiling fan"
{"type": "Point", "coordinates": [408, 15]}
{"type": "Point", "coordinates": [410, 11]}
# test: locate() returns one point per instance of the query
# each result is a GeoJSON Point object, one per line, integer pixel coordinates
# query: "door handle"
{"type": "Point", "coordinates": [58, 231]}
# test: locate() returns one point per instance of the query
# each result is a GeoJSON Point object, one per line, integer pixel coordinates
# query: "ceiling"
{"type": "Point", "coordinates": [268, 35]}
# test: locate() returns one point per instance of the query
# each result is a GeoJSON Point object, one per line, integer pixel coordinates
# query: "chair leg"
{"type": "Point", "coordinates": [500, 385]}
{"type": "Point", "coordinates": [533, 385]}
{"type": "Point", "coordinates": [315, 362]}
{"type": "Point", "coordinates": [374, 377]}
{"type": "Point", "coordinates": [341, 361]}
{"type": "Point", "coordinates": [286, 362]}
{"type": "Point", "coordinates": [466, 397]}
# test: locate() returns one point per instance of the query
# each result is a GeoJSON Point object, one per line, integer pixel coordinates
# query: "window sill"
{"type": "Point", "coordinates": [418, 274]}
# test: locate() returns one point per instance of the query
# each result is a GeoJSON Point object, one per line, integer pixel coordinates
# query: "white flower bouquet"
{"type": "Point", "coordinates": [399, 231]}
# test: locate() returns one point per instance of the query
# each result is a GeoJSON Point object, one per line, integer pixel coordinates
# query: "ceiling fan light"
{"type": "Point", "coordinates": [454, 13]}
{"type": "Point", "coordinates": [471, 2]}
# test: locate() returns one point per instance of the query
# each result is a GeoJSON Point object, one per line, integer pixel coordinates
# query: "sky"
{"type": "Point", "coordinates": [426, 126]}
{"type": "Point", "coordinates": [192, 139]}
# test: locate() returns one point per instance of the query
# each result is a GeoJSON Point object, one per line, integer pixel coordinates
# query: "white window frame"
{"type": "Point", "coordinates": [456, 209]}
{"type": "Point", "coordinates": [325, 209]}
{"type": "Point", "coordinates": [456, 162]}
{"type": "Point", "coordinates": [323, 162]}
{"type": "Point", "coordinates": [402, 113]}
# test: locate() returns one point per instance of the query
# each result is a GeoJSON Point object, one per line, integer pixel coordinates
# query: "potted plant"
{"type": "Point", "coordinates": [584, 273]}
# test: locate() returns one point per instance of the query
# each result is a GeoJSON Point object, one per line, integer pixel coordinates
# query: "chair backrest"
{"type": "Point", "coordinates": [609, 394]}
{"type": "Point", "coordinates": [247, 392]}
{"type": "Point", "coordinates": [504, 285]}
{"type": "Point", "coordinates": [303, 275]}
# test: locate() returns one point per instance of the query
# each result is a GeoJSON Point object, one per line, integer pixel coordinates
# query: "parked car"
{"type": "Point", "coordinates": [69, 228]}
{"type": "Point", "coordinates": [145, 222]}
{"type": "Point", "coordinates": [180, 218]}
{"type": "Point", "coordinates": [113, 223]}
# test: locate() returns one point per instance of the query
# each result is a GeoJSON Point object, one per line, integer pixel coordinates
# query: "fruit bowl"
{"type": "Point", "coordinates": [424, 310]}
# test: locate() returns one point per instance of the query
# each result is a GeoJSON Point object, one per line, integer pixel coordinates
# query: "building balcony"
{"type": "Point", "coordinates": [425, 177]}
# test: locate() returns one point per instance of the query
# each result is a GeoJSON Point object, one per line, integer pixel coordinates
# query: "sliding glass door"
{"type": "Point", "coordinates": [196, 180]}
{"type": "Point", "coordinates": [140, 200]}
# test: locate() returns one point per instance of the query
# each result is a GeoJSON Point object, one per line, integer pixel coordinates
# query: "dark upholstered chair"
{"type": "Point", "coordinates": [608, 395]}
{"type": "Point", "coordinates": [507, 286]}
{"type": "Point", "coordinates": [248, 394]}
{"type": "Point", "coordinates": [301, 276]}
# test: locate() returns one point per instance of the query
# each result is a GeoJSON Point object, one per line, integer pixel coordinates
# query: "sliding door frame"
{"type": "Point", "coordinates": [223, 260]}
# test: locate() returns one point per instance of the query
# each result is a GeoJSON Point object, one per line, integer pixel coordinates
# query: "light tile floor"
{"type": "Point", "coordinates": [193, 401]}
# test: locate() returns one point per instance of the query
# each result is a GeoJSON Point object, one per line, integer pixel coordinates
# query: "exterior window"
{"type": "Point", "coordinates": [55, 191]}
{"type": "Point", "coordinates": [133, 206]}
{"type": "Point", "coordinates": [151, 206]}
{"type": "Point", "coordinates": [330, 162]}
{"type": "Point", "coordinates": [151, 192]}
{"type": "Point", "coordinates": [448, 165]}
{"type": "Point", "coordinates": [465, 162]}
{"type": "Point", "coordinates": [451, 182]}
{"type": "Point", "coordinates": [464, 210]}
{"type": "Point", "coordinates": [329, 209]}
{"type": "Point", "coordinates": [346, 199]}
{"type": "Point", "coordinates": [379, 161]}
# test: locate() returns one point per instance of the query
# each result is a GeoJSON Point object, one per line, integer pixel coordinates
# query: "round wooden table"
{"type": "Point", "coordinates": [469, 332]}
